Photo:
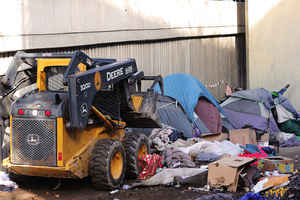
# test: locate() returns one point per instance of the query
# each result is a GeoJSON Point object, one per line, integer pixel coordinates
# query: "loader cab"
{"type": "Point", "coordinates": [37, 118]}
{"type": "Point", "coordinates": [50, 72]}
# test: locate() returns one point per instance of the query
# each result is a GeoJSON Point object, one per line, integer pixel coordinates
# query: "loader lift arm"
{"type": "Point", "coordinates": [82, 87]}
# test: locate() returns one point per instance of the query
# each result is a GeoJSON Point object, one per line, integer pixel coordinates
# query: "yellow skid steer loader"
{"type": "Point", "coordinates": [73, 124]}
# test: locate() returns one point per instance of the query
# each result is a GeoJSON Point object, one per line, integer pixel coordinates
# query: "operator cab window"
{"type": "Point", "coordinates": [54, 78]}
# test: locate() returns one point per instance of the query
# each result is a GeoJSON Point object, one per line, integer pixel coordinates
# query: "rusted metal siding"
{"type": "Point", "coordinates": [214, 61]}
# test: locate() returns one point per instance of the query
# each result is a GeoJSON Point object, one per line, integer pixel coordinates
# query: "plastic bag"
{"type": "Point", "coordinates": [166, 176]}
{"type": "Point", "coordinates": [218, 148]}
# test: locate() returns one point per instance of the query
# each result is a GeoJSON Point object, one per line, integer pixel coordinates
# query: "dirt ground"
{"type": "Point", "coordinates": [42, 189]}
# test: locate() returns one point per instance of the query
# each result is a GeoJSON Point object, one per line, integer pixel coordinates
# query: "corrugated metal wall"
{"type": "Point", "coordinates": [214, 61]}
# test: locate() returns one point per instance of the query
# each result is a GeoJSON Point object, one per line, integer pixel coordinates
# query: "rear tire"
{"type": "Point", "coordinates": [136, 144]}
{"type": "Point", "coordinates": [107, 164]}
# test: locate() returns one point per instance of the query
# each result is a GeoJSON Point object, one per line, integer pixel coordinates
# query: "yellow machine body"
{"type": "Point", "coordinates": [73, 146]}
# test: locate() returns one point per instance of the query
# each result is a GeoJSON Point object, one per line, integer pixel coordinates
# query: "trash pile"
{"type": "Point", "coordinates": [233, 146]}
{"type": "Point", "coordinates": [221, 162]}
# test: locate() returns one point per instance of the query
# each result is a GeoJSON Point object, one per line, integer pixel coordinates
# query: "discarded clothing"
{"type": "Point", "coordinates": [161, 138]}
{"type": "Point", "coordinates": [270, 151]}
{"type": "Point", "coordinates": [166, 176]}
{"type": "Point", "coordinates": [6, 184]}
{"type": "Point", "coordinates": [174, 158]}
{"type": "Point", "coordinates": [206, 157]}
{"type": "Point", "coordinates": [282, 136]}
{"type": "Point", "coordinates": [251, 196]}
{"type": "Point", "coordinates": [149, 164]}
{"type": "Point", "coordinates": [291, 142]}
{"type": "Point", "coordinates": [256, 153]}
{"type": "Point", "coordinates": [251, 148]}
{"type": "Point", "coordinates": [218, 196]}
{"type": "Point", "coordinates": [185, 143]}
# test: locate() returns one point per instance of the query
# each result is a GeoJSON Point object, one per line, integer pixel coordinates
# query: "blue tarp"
{"type": "Point", "coordinates": [187, 90]}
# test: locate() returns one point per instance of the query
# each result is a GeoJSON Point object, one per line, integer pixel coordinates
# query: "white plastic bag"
{"type": "Point", "coordinates": [219, 148]}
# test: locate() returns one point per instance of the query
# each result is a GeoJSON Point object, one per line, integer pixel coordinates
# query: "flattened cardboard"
{"type": "Point", "coordinates": [280, 163]}
{"type": "Point", "coordinates": [226, 172]}
{"type": "Point", "coordinates": [215, 137]}
{"type": "Point", "coordinates": [243, 136]}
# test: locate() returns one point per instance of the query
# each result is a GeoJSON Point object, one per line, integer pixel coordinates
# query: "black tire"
{"type": "Point", "coordinates": [133, 143]}
{"type": "Point", "coordinates": [102, 170]}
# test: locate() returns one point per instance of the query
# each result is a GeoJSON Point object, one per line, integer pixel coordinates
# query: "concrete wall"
{"type": "Point", "coordinates": [273, 45]}
{"type": "Point", "coordinates": [204, 38]}
{"type": "Point", "coordinates": [35, 24]}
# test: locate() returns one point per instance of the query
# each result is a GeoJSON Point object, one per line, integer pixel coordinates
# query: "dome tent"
{"type": "Point", "coordinates": [251, 108]}
{"type": "Point", "coordinates": [188, 90]}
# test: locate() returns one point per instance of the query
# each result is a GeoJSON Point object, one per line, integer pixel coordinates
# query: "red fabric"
{"type": "Point", "coordinates": [258, 156]}
{"type": "Point", "coordinates": [149, 164]}
{"type": "Point", "coordinates": [209, 115]}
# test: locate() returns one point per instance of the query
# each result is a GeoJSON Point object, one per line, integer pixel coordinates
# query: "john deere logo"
{"type": "Point", "coordinates": [33, 139]}
{"type": "Point", "coordinates": [83, 109]}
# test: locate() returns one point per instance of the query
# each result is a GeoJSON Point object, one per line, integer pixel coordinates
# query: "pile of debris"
{"type": "Point", "coordinates": [224, 162]}
{"type": "Point", "coordinates": [241, 156]}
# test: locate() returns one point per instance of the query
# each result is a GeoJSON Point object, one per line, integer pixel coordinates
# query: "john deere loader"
{"type": "Point", "coordinates": [73, 124]}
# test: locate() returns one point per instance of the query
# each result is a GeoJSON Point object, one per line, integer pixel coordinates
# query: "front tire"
{"type": "Point", "coordinates": [136, 145]}
{"type": "Point", "coordinates": [107, 164]}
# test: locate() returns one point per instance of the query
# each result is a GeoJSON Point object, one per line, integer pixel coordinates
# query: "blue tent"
{"type": "Point", "coordinates": [187, 90]}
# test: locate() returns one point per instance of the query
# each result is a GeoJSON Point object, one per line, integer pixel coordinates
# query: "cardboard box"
{"type": "Point", "coordinates": [226, 172]}
{"type": "Point", "coordinates": [243, 136]}
{"type": "Point", "coordinates": [280, 163]}
{"type": "Point", "coordinates": [264, 140]}
{"type": "Point", "coordinates": [215, 137]}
